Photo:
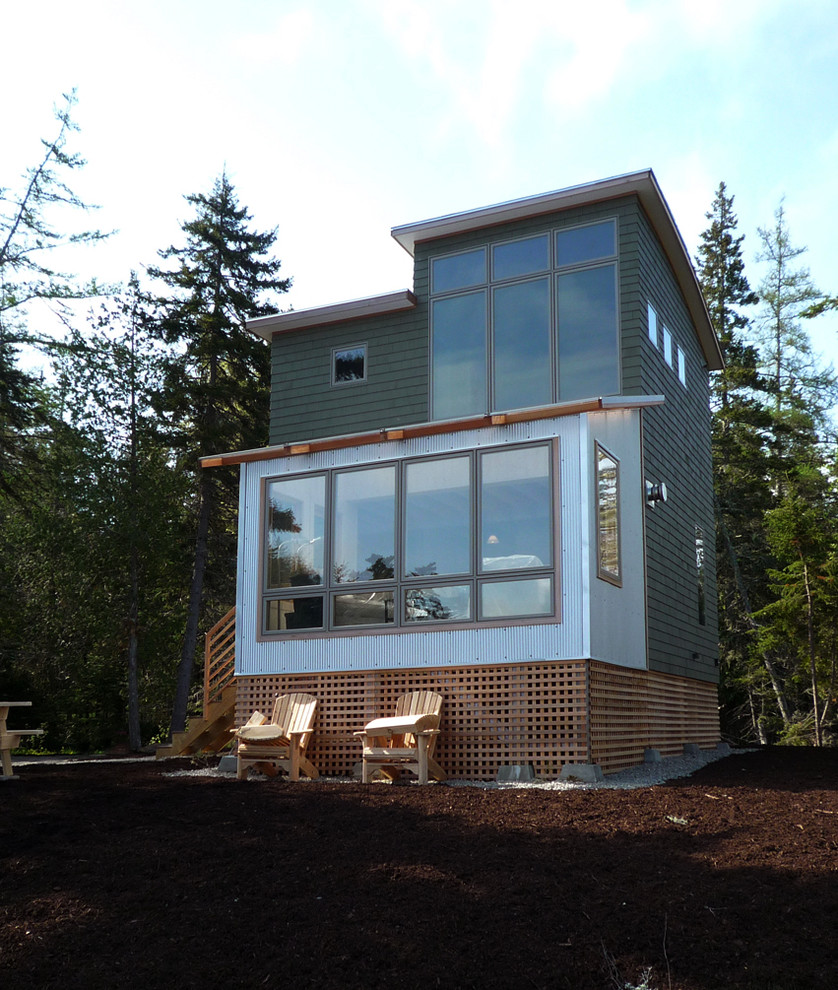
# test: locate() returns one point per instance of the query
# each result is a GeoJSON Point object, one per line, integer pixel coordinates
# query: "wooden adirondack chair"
{"type": "Point", "coordinates": [280, 742]}
{"type": "Point", "coordinates": [405, 740]}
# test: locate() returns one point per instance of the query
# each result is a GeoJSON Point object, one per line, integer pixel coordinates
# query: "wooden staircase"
{"type": "Point", "coordinates": [210, 732]}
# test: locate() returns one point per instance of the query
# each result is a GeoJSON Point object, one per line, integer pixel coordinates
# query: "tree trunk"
{"type": "Point", "coordinates": [196, 594]}
{"type": "Point", "coordinates": [813, 668]}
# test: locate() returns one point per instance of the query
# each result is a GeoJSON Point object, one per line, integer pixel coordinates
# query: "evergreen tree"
{"type": "Point", "coordinates": [27, 237]}
{"type": "Point", "coordinates": [740, 420]}
{"type": "Point", "coordinates": [787, 294]}
{"type": "Point", "coordinates": [216, 387]}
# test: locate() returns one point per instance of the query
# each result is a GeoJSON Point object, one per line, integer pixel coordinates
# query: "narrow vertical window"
{"type": "Point", "coordinates": [653, 325]}
{"type": "Point", "coordinates": [682, 367]}
{"type": "Point", "coordinates": [667, 346]}
{"type": "Point", "coordinates": [608, 516]}
{"type": "Point", "coordinates": [699, 567]}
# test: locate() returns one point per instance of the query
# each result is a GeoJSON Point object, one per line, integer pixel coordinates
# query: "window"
{"type": "Point", "coordinates": [682, 366]}
{"type": "Point", "coordinates": [349, 364]}
{"type": "Point", "coordinates": [667, 346]}
{"type": "Point", "coordinates": [608, 516]}
{"type": "Point", "coordinates": [456, 538]}
{"type": "Point", "coordinates": [532, 322]}
{"type": "Point", "coordinates": [653, 324]}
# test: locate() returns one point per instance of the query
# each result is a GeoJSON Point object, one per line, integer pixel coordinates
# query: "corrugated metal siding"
{"type": "Point", "coordinates": [617, 614]}
{"type": "Point", "coordinates": [551, 641]}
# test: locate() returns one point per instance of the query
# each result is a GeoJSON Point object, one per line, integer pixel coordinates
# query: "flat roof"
{"type": "Point", "coordinates": [352, 309]}
{"type": "Point", "coordinates": [641, 184]}
{"type": "Point", "coordinates": [572, 407]}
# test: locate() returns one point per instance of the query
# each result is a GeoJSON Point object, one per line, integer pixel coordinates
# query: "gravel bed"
{"type": "Point", "coordinates": [643, 775]}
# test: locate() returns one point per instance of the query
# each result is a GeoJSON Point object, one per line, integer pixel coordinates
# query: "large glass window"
{"type": "Point", "coordinates": [437, 517]}
{"type": "Point", "coordinates": [459, 356]}
{"type": "Point", "coordinates": [296, 510]}
{"type": "Point", "coordinates": [459, 538]}
{"type": "Point", "coordinates": [516, 509]}
{"type": "Point", "coordinates": [365, 525]}
{"type": "Point", "coordinates": [587, 331]}
{"type": "Point", "coordinates": [516, 339]}
{"type": "Point", "coordinates": [522, 344]}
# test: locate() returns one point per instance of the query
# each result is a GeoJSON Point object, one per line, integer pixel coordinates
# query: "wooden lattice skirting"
{"type": "Point", "coordinates": [545, 714]}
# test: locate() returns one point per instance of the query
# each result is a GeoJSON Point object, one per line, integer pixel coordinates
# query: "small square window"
{"type": "Point", "coordinates": [349, 364]}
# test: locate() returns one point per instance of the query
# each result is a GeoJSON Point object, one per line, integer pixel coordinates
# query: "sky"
{"type": "Point", "coordinates": [337, 120]}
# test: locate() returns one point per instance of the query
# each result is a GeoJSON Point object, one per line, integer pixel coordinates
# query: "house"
{"type": "Point", "coordinates": [497, 485]}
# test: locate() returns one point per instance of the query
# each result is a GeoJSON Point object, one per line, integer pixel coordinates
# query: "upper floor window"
{"type": "Point", "coordinates": [525, 322]}
{"type": "Point", "coordinates": [349, 364]}
{"type": "Point", "coordinates": [652, 324]}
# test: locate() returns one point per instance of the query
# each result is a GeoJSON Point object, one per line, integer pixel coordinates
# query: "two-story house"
{"type": "Point", "coordinates": [497, 485]}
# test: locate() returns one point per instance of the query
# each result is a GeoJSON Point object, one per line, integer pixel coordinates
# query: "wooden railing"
{"type": "Point", "coordinates": [219, 657]}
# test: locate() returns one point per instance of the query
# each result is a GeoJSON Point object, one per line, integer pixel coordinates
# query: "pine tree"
{"type": "Point", "coordinates": [740, 466]}
{"type": "Point", "coordinates": [27, 236]}
{"type": "Point", "coordinates": [788, 294]}
{"type": "Point", "coordinates": [216, 390]}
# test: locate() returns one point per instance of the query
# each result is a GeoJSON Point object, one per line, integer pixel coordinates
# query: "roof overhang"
{"type": "Point", "coordinates": [353, 309]}
{"type": "Point", "coordinates": [642, 184]}
{"type": "Point", "coordinates": [604, 403]}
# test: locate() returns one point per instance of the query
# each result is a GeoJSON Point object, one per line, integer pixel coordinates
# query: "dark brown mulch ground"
{"type": "Point", "coordinates": [114, 875]}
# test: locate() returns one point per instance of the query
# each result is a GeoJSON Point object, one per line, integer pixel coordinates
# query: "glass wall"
{"type": "Point", "coordinates": [507, 336]}
{"type": "Point", "coordinates": [461, 538]}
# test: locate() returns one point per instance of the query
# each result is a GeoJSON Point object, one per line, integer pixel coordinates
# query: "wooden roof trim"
{"type": "Point", "coordinates": [430, 429]}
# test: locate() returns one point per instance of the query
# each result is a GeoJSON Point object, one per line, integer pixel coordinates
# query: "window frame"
{"type": "Point", "coordinates": [343, 349]}
{"type": "Point", "coordinates": [552, 272]}
{"type": "Point", "coordinates": [612, 577]}
{"type": "Point", "coordinates": [400, 584]}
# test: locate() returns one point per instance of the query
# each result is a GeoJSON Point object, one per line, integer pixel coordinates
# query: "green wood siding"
{"type": "Point", "coordinates": [676, 450]}
{"type": "Point", "coordinates": [305, 404]}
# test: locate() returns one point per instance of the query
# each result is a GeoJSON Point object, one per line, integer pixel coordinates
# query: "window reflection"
{"type": "Point", "coordinates": [608, 515]}
{"type": "Point", "coordinates": [459, 356]}
{"type": "Point", "coordinates": [293, 613]}
{"type": "Point", "coordinates": [525, 257]}
{"type": "Point", "coordinates": [513, 599]}
{"type": "Point", "coordinates": [438, 604]}
{"type": "Point", "coordinates": [522, 370]}
{"type": "Point", "coordinates": [579, 244]}
{"type": "Point", "coordinates": [364, 609]}
{"type": "Point", "coordinates": [365, 525]}
{"type": "Point", "coordinates": [437, 517]}
{"type": "Point", "coordinates": [296, 514]}
{"type": "Point", "coordinates": [516, 509]}
{"type": "Point", "coordinates": [458, 271]}
{"type": "Point", "coordinates": [587, 330]}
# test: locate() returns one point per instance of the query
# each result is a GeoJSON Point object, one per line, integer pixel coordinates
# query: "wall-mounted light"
{"type": "Point", "coordinates": [655, 492]}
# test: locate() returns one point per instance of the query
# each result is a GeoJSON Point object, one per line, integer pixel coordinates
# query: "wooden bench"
{"type": "Point", "coordinates": [10, 738]}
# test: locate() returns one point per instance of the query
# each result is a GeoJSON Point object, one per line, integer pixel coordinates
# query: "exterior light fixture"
{"type": "Point", "coordinates": [655, 493]}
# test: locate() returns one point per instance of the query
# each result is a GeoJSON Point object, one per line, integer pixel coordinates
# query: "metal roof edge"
{"type": "Point", "coordinates": [352, 309]}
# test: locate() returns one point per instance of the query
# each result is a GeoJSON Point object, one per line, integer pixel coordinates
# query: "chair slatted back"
{"type": "Point", "coordinates": [295, 713]}
{"type": "Point", "coordinates": [418, 703]}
